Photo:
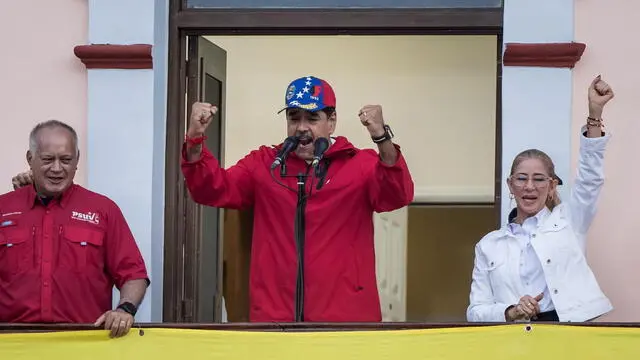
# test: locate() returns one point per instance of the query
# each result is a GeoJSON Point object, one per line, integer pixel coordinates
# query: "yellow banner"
{"type": "Point", "coordinates": [513, 342]}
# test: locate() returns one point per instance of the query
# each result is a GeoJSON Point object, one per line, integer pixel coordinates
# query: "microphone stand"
{"type": "Point", "coordinates": [300, 238]}
{"type": "Point", "coordinates": [299, 234]}
{"type": "Point", "coordinates": [300, 227]}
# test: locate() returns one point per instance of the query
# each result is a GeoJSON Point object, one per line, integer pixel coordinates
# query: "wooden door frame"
{"type": "Point", "coordinates": [347, 21]}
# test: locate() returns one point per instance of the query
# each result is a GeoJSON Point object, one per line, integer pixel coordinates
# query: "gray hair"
{"type": "Point", "coordinates": [50, 124]}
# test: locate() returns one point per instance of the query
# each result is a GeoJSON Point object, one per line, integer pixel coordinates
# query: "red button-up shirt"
{"type": "Point", "coordinates": [60, 261]}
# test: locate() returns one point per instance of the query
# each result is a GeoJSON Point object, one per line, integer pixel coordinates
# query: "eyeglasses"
{"type": "Point", "coordinates": [539, 181]}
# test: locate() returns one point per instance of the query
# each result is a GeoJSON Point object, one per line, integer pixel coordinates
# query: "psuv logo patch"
{"type": "Point", "coordinates": [89, 217]}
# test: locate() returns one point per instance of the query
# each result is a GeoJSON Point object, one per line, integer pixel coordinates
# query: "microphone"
{"type": "Point", "coordinates": [320, 146]}
{"type": "Point", "coordinates": [321, 173]}
{"type": "Point", "coordinates": [289, 145]}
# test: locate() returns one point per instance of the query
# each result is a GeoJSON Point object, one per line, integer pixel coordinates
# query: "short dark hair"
{"type": "Point", "coordinates": [329, 111]}
{"type": "Point", "coordinates": [50, 124]}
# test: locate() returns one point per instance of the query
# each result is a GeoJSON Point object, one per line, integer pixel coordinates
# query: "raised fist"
{"type": "Point", "coordinates": [201, 116]}
{"type": "Point", "coordinates": [599, 94]}
{"type": "Point", "coordinates": [371, 118]}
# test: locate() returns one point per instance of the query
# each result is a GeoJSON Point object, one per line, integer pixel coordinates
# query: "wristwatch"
{"type": "Point", "coordinates": [388, 135]}
{"type": "Point", "coordinates": [128, 308]}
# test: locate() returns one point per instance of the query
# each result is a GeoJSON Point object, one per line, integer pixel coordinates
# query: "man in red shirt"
{"type": "Point", "coordinates": [63, 247]}
{"type": "Point", "coordinates": [338, 251]}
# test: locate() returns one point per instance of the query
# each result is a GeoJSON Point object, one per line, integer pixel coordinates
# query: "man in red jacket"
{"type": "Point", "coordinates": [339, 257]}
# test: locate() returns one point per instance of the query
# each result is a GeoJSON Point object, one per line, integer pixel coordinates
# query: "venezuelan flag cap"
{"type": "Point", "coordinates": [309, 93]}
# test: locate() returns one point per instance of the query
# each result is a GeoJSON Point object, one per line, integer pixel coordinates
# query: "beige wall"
{"type": "Point", "coordinates": [437, 92]}
{"type": "Point", "coordinates": [40, 77]}
{"type": "Point", "coordinates": [609, 29]}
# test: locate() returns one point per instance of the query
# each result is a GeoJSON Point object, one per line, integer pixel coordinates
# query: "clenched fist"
{"type": "Point", "coordinates": [371, 117]}
{"type": "Point", "coordinates": [201, 115]}
{"type": "Point", "coordinates": [599, 95]}
{"type": "Point", "coordinates": [22, 179]}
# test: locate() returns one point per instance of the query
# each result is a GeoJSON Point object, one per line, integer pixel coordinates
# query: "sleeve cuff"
{"type": "Point", "coordinates": [593, 144]}
{"type": "Point", "coordinates": [205, 153]}
{"type": "Point", "coordinates": [134, 277]}
{"type": "Point", "coordinates": [400, 161]}
{"type": "Point", "coordinates": [501, 312]}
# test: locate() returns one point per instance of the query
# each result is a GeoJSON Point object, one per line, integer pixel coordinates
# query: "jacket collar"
{"type": "Point", "coordinates": [340, 147]}
{"type": "Point", "coordinates": [550, 221]}
{"type": "Point", "coordinates": [538, 218]}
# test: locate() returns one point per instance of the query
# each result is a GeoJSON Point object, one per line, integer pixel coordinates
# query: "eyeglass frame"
{"type": "Point", "coordinates": [537, 184]}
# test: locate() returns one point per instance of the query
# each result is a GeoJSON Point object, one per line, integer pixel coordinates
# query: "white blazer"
{"type": "Point", "coordinates": [559, 242]}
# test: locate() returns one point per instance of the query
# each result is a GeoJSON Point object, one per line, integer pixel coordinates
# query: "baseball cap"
{"type": "Point", "coordinates": [309, 93]}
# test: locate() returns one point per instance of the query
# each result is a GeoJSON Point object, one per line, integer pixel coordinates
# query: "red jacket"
{"type": "Point", "coordinates": [340, 276]}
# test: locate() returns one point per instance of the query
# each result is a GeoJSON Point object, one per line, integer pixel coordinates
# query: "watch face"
{"type": "Point", "coordinates": [389, 132]}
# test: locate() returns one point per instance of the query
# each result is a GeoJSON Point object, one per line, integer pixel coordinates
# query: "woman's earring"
{"type": "Point", "coordinates": [511, 196]}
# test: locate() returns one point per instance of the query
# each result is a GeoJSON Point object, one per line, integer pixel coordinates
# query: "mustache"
{"type": "Point", "coordinates": [304, 135]}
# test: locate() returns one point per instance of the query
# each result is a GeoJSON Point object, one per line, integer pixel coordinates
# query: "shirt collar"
{"type": "Point", "coordinates": [63, 200]}
{"type": "Point", "coordinates": [536, 219]}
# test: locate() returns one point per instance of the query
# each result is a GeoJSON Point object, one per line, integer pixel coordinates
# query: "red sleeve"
{"type": "Point", "coordinates": [211, 185]}
{"type": "Point", "coordinates": [124, 260]}
{"type": "Point", "coordinates": [391, 187]}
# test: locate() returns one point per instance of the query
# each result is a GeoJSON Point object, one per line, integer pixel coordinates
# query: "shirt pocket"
{"type": "Point", "coordinates": [561, 246]}
{"type": "Point", "coordinates": [16, 251]}
{"type": "Point", "coordinates": [81, 248]}
{"type": "Point", "coordinates": [495, 270]}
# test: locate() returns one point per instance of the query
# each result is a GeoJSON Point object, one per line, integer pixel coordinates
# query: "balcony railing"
{"type": "Point", "coordinates": [294, 327]}
{"type": "Point", "coordinates": [284, 341]}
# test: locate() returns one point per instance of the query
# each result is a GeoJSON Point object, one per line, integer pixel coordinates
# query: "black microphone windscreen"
{"type": "Point", "coordinates": [292, 140]}
{"type": "Point", "coordinates": [321, 145]}
{"type": "Point", "coordinates": [289, 144]}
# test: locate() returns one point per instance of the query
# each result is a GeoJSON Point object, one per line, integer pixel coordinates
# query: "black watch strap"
{"type": "Point", "coordinates": [128, 308]}
{"type": "Point", "coordinates": [388, 135]}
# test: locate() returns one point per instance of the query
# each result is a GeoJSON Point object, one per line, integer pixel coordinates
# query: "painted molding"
{"type": "Point", "coordinates": [107, 56]}
{"type": "Point", "coordinates": [453, 194]}
{"type": "Point", "coordinates": [553, 55]}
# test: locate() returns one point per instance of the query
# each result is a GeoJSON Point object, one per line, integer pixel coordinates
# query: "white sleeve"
{"type": "Point", "coordinates": [482, 306]}
{"type": "Point", "coordinates": [588, 183]}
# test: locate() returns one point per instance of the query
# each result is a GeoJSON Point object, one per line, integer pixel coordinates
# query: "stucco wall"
{"type": "Point", "coordinates": [607, 27]}
{"type": "Point", "coordinates": [40, 76]}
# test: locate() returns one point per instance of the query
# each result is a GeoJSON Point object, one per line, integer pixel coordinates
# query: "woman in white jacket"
{"type": "Point", "coordinates": [534, 268]}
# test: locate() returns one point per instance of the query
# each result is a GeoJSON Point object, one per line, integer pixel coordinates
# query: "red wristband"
{"type": "Point", "coordinates": [195, 140]}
